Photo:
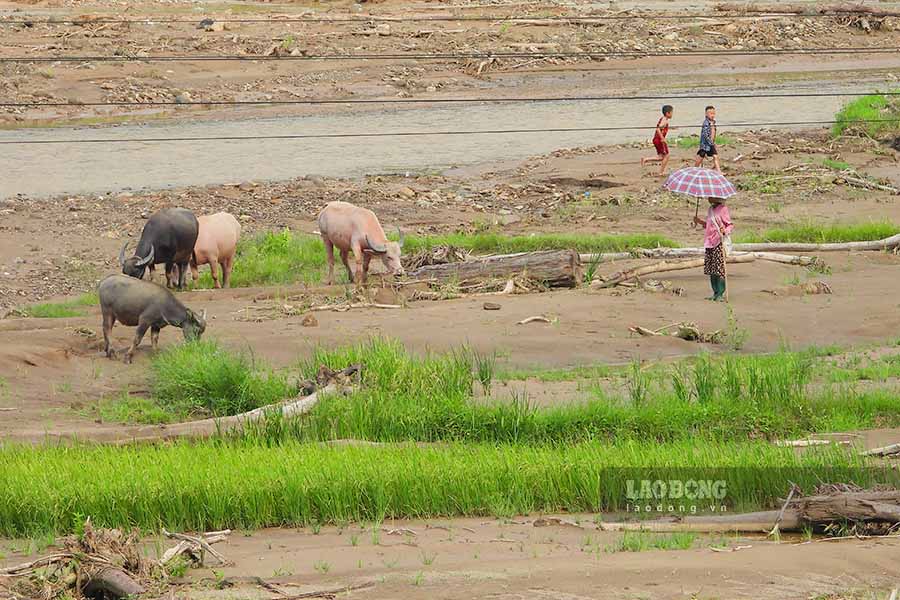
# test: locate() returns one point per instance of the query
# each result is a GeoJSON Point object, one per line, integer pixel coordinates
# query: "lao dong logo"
{"type": "Point", "coordinates": [676, 495]}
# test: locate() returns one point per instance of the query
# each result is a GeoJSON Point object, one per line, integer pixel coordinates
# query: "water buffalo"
{"type": "Point", "coordinates": [168, 238]}
{"type": "Point", "coordinates": [145, 305]}
{"type": "Point", "coordinates": [351, 228]}
{"type": "Point", "coordinates": [216, 244]}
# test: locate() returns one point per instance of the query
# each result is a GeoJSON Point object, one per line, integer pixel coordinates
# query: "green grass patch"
{"type": "Point", "coordinates": [276, 258]}
{"type": "Point", "coordinates": [137, 410]}
{"type": "Point", "coordinates": [693, 141]}
{"type": "Point", "coordinates": [837, 165]}
{"type": "Point", "coordinates": [214, 485]}
{"type": "Point", "coordinates": [640, 541]}
{"type": "Point", "coordinates": [408, 398]}
{"type": "Point", "coordinates": [496, 243]}
{"type": "Point", "coordinates": [202, 378]}
{"type": "Point", "coordinates": [819, 234]}
{"type": "Point", "coordinates": [58, 310]}
{"type": "Point", "coordinates": [853, 116]}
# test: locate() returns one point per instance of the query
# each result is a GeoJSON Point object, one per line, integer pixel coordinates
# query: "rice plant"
{"type": "Point", "coordinates": [818, 233]}
{"type": "Point", "coordinates": [214, 485]}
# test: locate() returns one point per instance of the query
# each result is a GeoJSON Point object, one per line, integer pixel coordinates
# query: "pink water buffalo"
{"type": "Point", "coordinates": [216, 244]}
{"type": "Point", "coordinates": [354, 229]}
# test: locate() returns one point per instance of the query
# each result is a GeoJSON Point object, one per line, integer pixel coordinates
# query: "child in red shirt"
{"type": "Point", "coordinates": [659, 141]}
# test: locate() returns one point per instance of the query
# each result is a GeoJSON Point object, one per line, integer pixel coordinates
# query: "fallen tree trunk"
{"type": "Point", "coordinates": [555, 268]}
{"type": "Point", "coordinates": [885, 244]}
{"type": "Point", "coordinates": [797, 513]}
{"type": "Point", "coordinates": [883, 451]}
{"type": "Point", "coordinates": [761, 522]}
{"type": "Point", "coordinates": [787, 259]}
{"type": "Point", "coordinates": [850, 506]}
{"type": "Point", "coordinates": [660, 267]}
{"type": "Point", "coordinates": [762, 251]}
{"type": "Point", "coordinates": [843, 9]}
{"type": "Point", "coordinates": [208, 427]}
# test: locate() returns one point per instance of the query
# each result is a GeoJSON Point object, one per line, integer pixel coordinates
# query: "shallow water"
{"type": "Point", "coordinates": [47, 170]}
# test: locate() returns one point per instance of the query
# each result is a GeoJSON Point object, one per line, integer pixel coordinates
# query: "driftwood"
{"type": "Point", "coordinates": [857, 182]}
{"type": "Point", "coordinates": [787, 259]}
{"type": "Point", "coordinates": [883, 451]}
{"type": "Point", "coordinates": [209, 427]}
{"type": "Point", "coordinates": [195, 547]}
{"type": "Point", "coordinates": [797, 513]}
{"type": "Point", "coordinates": [112, 583]}
{"type": "Point", "coordinates": [763, 251]}
{"type": "Point", "coordinates": [760, 522]}
{"type": "Point", "coordinates": [555, 268]}
{"type": "Point", "coordinates": [843, 9]}
{"type": "Point", "coordinates": [660, 267]}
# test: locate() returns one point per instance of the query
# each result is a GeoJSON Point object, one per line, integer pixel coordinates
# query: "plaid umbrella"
{"type": "Point", "coordinates": [700, 183]}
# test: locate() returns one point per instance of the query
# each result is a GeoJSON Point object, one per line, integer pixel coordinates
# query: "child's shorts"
{"type": "Point", "coordinates": [707, 153]}
{"type": "Point", "coordinates": [662, 148]}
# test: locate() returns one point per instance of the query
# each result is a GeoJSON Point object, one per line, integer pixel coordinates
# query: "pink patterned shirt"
{"type": "Point", "coordinates": [719, 212]}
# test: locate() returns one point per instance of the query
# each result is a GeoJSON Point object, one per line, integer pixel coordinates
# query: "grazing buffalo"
{"type": "Point", "coordinates": [145, 305]}
{"type": "Point", "coordinates": [351, 228]}
{"type": "Point", "coordinates": [168, 238]}
{"type": "Point", "coordinates": [216, 245]}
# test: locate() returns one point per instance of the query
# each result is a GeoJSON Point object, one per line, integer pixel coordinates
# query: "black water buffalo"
{"type": "Point", "coordinates": [145, 305]}
{"type": "Point", "coordinates": [168, 238]}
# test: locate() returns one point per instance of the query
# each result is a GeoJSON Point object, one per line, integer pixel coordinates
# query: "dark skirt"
{"type": "Point", "coordinates": [714, 261]}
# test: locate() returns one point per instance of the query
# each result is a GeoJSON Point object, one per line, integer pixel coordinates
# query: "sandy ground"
{"type": "Point", "coordinates": [516, 560]}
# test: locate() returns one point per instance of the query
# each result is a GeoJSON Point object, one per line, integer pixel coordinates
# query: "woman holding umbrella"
{"type": "Point", "coordinates": [718, 227]}
{"type": "Point", "coordinates": [705, 183]}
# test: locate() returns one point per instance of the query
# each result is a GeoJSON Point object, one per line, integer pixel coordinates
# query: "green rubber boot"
{"type": "Point", "coordinates": [720, 289]}
{"type": "Point", "coordinates": [714, 284]}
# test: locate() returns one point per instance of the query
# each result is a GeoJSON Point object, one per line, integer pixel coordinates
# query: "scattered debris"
{"type": "Point", "coordinates": [538, 319]}
{"type": "Point", "coordinates": [686, 331]}
{"type": "Point", "coordinates": [309, 321]}
{"type": "Point", "coordinates": [810, 288]}
{"type": "Point", "coordinates": [105, 563]}
{"type": "Point", "coordinates": [195, 547]}
{"type": "Point", "coordinates": [547, 521]}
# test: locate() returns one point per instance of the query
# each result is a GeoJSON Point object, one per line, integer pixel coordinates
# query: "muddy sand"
{"type": "Point", "coordinates": [516, 560]}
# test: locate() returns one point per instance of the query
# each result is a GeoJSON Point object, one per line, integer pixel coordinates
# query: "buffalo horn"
{"type": "Point", "coordinates": [402, 236]}
{"type": "Point", "coordinates": [122, 254]}
{"type": "Point", "coordinates": [146, 259]}
{"type": "Point", "coordinates": [376, 248]}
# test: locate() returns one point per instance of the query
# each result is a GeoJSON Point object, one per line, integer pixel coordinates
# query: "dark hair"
{"type": "Point", "coordinates": [710, 107]}
{"type": "Point", "coordinates": [667, 108]}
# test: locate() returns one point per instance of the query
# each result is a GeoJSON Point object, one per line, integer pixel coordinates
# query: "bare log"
{"type": "Point", "coordinates": [761, 522]}
{"type": "Point", "coordinates": [883, 451]}
{"type": "Point", "coordinates": [844, 9]}
{"type": "Point", "coordinates": [885, 244]}
{"type": "Point", "coordinates": [762, 251]}
{"type": "Point", "coordinates": [112, 583]}
{"type": "Point", "coordinates": [661, 267]}
{"type": "Point", "coordinates": [556, 268]}
{"type": "Point", "coordinates": [787, 259]}
{"type": "Point", "coordinates": [209, 427]}
{"type": "Point", "coordinates": [863, 183]}
{"type": "Point", "coordinates": [796, 514]}
{"type": "Point", "coordinates": [851, 506]}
